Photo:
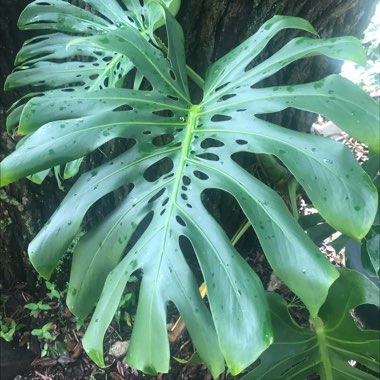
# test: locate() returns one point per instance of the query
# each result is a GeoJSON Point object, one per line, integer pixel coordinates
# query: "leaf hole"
{"type": "Point", "coordinates": [225, 209]}
{"type": "Point", "coordinates": [123, 107]}
{"type": "Point", "coordinates": [226, 97]}
{"type": "Point", "coordinates": [164, 113]}
{"type": "Point", "coordinates": [221, 86]}
{"type": "Point", "coordinates": [180, 221]}
{"type": "Point", "coordinates": [190, 256]}
{"type": "Point", "coordinates": [156, 196]}
{"type": "Point", "coordinates": [211, 143]}
{"type": "Point", "coordinates": [217, 118]}
{"type": "Point", "coordinates": [186, 180]}
{"type": "Point", "coordinates": [172, 97]}
{"type": "Point", "coordinates": [158, 169]}
{"type": "Point", "coordinates": [208, 156]}
{"type": "Point", "coordinates": [162, 140]}
{"type": "Point", "coordinates": [140, 229]}
{"type": "Point", "coordinates": [241, 142]}
{"type": "Point", "coordinates": [201, 175]}
{"type": "Point", "coordinates": [172, 74]}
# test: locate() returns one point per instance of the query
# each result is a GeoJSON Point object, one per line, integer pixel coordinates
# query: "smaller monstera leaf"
{"type": "Point", "coordinates": [333, 341]}
{"type": "Point", "coordinates": [52, 61]}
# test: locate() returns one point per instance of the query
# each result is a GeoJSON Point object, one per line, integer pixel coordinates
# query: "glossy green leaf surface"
{"type": "Point", "coordinates": [334, 340]}
{"type": "Point", "coordinates": [52, 61]}
{"type": "Point", "coordinates": [179, 150]}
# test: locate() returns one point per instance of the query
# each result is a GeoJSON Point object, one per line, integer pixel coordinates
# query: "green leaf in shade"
{"type": "Point", "coordinates": [331, 344]}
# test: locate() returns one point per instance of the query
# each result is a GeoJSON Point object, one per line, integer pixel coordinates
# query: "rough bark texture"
{"type": "Point", "coordinates": [212, 27]}
{"type": "Point", "coordinates": [23, 206]}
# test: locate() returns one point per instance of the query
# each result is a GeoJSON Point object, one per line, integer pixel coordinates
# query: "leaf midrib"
{"type": "Point", "coordinates": [185, 148]}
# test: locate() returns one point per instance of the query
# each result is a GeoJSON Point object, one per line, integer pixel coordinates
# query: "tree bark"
{"type": "Point", "coordinates": [212, 28]}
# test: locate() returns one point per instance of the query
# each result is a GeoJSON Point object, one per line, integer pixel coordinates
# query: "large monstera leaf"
{"type": "Point", "coordinates": [333, 342]}
{"type": "Point", "coordinates": [180, 150]}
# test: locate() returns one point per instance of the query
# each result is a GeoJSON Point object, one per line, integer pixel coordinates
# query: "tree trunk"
{"type": "Point", "coordinates": [212, 28]}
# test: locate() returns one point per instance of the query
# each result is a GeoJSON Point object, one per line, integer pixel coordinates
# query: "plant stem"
{"type": "Point", "coordinates": [272, 169]}
{"type": "Point", "coordinates": [240, 232]}
{"type": "Point", "coordinates": [198, 80]}
{"type": "Point", "coordinates": [317, 323]}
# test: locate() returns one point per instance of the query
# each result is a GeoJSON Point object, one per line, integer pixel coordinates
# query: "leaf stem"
{"type": "Point", "coordinates": [198, 80]}
{"type": "Point", "coordinates": [240, 232]}
{"type": "Point", "coordinates": [321, 337]}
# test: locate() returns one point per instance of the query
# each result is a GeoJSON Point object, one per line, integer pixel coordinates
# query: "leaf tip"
{"type": "Point", "coordinates": [95, 355]}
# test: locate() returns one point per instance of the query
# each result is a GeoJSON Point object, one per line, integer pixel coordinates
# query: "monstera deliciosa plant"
{"type": "Point", "coordinates": [104, 74]}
